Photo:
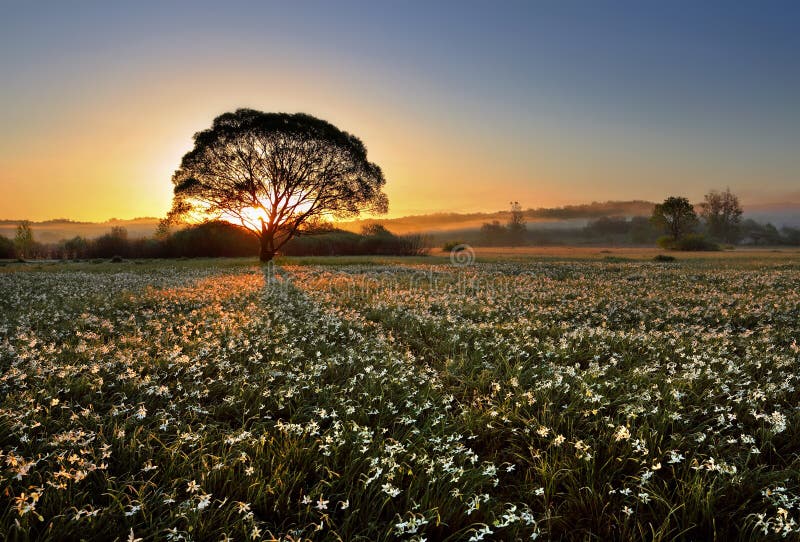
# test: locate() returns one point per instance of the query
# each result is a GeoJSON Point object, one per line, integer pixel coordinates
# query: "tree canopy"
{"type": "Point", "coordinates": [516, 225]}
{"type": "Point", "coordinates": [675, 216]}
{"type": "Point", "coordinates": [276, 174]}
{"type": "Point", "coordinates": [23, 241]}
{"type": "Point", "coordinates": [723, 215]}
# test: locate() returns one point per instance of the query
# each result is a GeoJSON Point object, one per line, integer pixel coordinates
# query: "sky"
{"type": "Point", "coordinates": [465, 105]}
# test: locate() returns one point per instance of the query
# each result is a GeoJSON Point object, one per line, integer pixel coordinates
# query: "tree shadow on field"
{"type": "Point", "coordinates": [276, 279]}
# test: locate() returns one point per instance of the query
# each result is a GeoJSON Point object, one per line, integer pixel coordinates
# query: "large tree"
{"type": "Point", "coordinates": [675, 216]}
{"type": "Point", "coordinates": [723, 215]}
{"type": "Point", "coordinates": [276, 174]}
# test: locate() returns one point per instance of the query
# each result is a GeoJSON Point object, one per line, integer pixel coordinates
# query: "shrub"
{"type": "Point", "coordinates": [376, 240]}
{"type": "Point", "coordinates": [666, 242]}
{"type": "Point", "coordinates": [6, 248]}
{"type": "Point", "coordinates": [689, 242]}
{"type": "Point", "coordinates": [664, 258]}
{"type": "Point", "coordinates": [695, 242]}
{"type": "Point", "coordinates": [414, 244]}
{"type": "Point", "coordinates": [212, 239]}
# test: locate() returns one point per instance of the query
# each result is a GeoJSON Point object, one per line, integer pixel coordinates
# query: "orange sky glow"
{"type": "Point", "coordinates": [96, 111]}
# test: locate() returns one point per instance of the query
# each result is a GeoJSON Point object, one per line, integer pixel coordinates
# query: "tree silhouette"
{"type": "Point", "coordinates": [493, 233]}
{"type": "Point", "coordinates": [723, 215]}
{"type": "Point", "coordinates": [277, 174]}
{"type": "Point", "coordinates": [7, 249]}
{"type": "Point", "coordinates": [675, 216]}
{"type": "Point", "coordinates": [23, 240]}
{"type": "Point", "coordinates": [516, 225]}
{"type": "Point", "coordinates": [73, 248]}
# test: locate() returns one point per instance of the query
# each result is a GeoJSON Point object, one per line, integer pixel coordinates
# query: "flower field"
{"type": "Point", "coordinates": [608, 400]}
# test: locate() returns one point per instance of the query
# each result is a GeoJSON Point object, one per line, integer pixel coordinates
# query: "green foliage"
{"type": "Point", "coordinates": [723, 215]}
{"type": "Point", "coordinates": [689, 242]}
{"type": "Point", "coordinates": [675, 216]}
{"type": "Point", "coordinates": [695, 242]}
{"type": "Point", "coordinates": [663, 258]}
{"type": "Point", "coordinates": [790, 236]}
{"type": "Point", "coordinates": [666, 242]}
{"type": "Point", "coordinates": [767, 234]}
{"type": "Point", "coordinates": [560, 401]}
{"type": "Point", "coordinates": [642, 231]}
{"type": "Point", "coordinates": [23, 241]}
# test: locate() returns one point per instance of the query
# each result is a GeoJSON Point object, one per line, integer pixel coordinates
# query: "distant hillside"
{"type": "Point", "coordinates": [50, 231]}
{"type": "Point", "coordinates": [569, 216]}
{"type": "Point", "coordinates": [464, 221]}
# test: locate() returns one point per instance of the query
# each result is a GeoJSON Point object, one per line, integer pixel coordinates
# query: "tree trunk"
{"type": "Point", "coordinates": [676, 229]}
{"type": "Point", "coordinates": [267, 245]}
{"type": "Point", "coordinates": [265, 255]}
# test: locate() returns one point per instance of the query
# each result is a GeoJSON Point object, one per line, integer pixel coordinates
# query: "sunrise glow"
{"type": "Point", "coordinates": [370, 270]}
{"type": "Point", "coordinates": [464, 110]}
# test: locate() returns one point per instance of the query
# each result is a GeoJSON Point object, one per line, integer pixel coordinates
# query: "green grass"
{"type": "Point", "coordinates": [400, 398]}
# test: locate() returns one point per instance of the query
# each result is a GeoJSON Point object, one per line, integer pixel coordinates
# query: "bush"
{"type": "Point", "coordinates": [666, 242]}
{"type": "Point", "coordinates": [332, 243]}
{"type": "Point", "coordinates": [212, 239]}
{"type": "Point", "coordinates": [664, 258]}
{"type": "Point", "coordinates": [6, 248]}
{"type": "Point", "coordinates": [695, 242]}
{"type": "Point", "coordinates": [222, 239]}
{"type": "Point", "coordinates": [415, 244]}
{"type": "Point", "coordinates": [690, 242]}
{"type": "Point", "coordinates": [375, 240]}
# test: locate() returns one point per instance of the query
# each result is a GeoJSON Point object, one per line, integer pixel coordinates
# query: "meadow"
{"type": "Point", "coordinates": [575, 396]}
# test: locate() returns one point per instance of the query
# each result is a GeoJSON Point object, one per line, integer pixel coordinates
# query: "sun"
{"type": "Point", "coordinates": [255, 215]}
{"type": "Point", "coordinates": [251, 217]}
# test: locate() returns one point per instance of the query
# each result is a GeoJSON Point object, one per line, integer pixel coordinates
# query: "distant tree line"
{"type": "Point", "coordinates": [591, 210]}
{"type": "Point", "coordinates": [719, 221]}
{"type": "Point", "coordinates": [210, 239]}
{"type": "Point", "coordinates": [373, 239]}
{"type": "Point", "coordinates": [605, 229]}
{"type": "Point", "coordinates": [637, 230]}
{"type": "Point", "coordinates": [513, 233]}
{"type": "Point", "coordinates": [675, 223]}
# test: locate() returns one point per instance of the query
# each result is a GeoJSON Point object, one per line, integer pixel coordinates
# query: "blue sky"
{"type": "Point", "coordinates": [466, 105]}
